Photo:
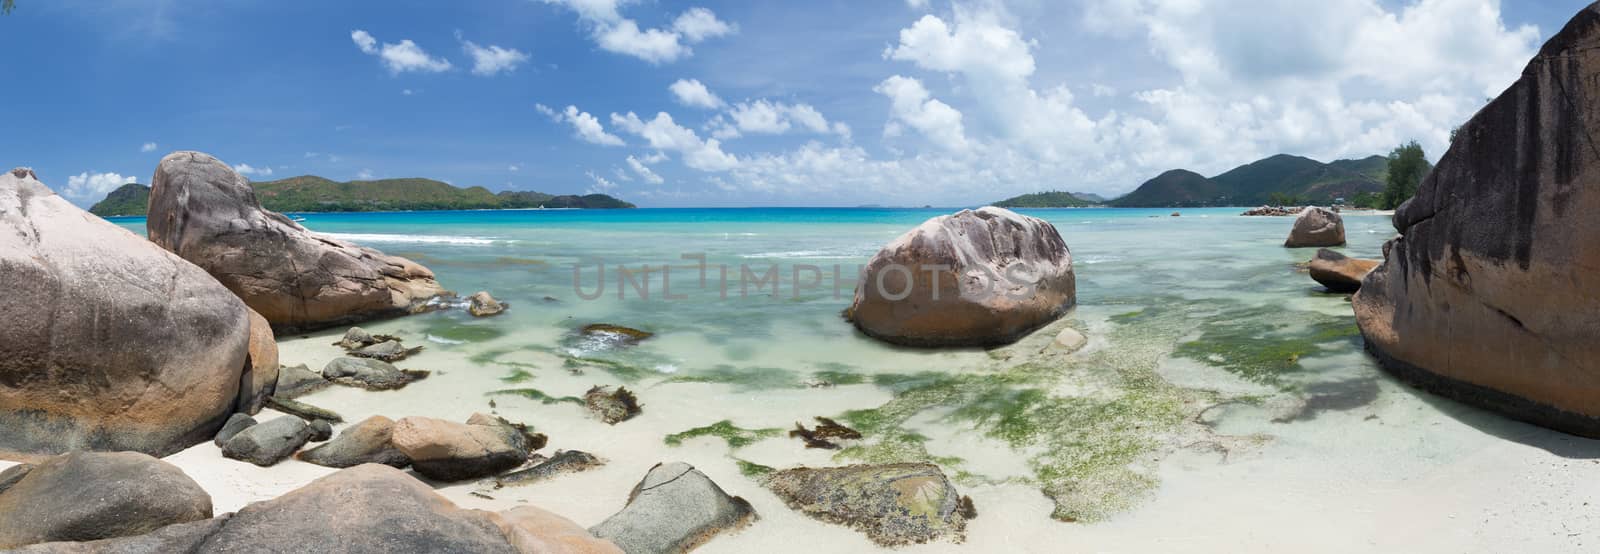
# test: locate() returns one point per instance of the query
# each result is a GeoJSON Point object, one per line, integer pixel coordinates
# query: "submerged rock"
{"type": "Point", "coordinates": [1070, 340]}
{"type": "Point", "coordinates": [1339, 273]}
{"type": "Point", "coordinates": [107, 342]}
{"type": "Point", "coordinates": [366, 442]}
{"type": "Point", "coordinates": [265, 444]}
{"type": "Point", "coordinates": [298, 380]}
{"type": "Point", "coordinates": [610, 406]}
{"type": "Point", "coordinates": [388, 351]}
{"type": "Point", "coordinates": [614, 335]}
{"type": "Point", "coordinates": [976, 278]}
{"type": "Point", "coordinates": [674, 509]}
{"type": "Point", "coordinates": [84, 496]}
{"type": "Point", "coordinates": [1316, 227]}
{"type": "Point", "coordinates": [894, 504]}
{"type": "Point", "coordinates": [235, 424]}
{"type": "Point", "coordinates": [1488, 297]}
{"type": "Point", "coordinates": [564, 462]}
{"type": "Point", "coordinates": [449, 451]}
{"type": "Point", "coordinates": [202, 210]}
{"type": "Point", "coordinates": [483, 305]}
{"type": "Point", "coordinates": [370, 374]}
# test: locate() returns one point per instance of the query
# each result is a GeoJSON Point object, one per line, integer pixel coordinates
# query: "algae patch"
{"type": "Point", "coordinates": [736, 437]}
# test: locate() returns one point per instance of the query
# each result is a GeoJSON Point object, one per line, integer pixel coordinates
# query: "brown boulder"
{"type": "Point", "coordinates": [1340, 273]}
{"type": "Point", "coordinates": [450, 451]}
{"type": "Point", "coordinates": [260, 377]}
{"type": "Point", "coordinates": [299, 280]}
{"type": "Point", "coordinates": [1489, 295]}
{"type": "Point", "coordinates": [84, 496]}
{"type": "Point", "coordinates": [1316, 227]}
{"type": "Point", "coordinates": [106, 341]}
{"type": "Point", "coordinates": [976, 278]}
{"type": "Point", "coordinates": [366, 442]}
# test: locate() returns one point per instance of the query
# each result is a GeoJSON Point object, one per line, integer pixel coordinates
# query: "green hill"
{"type": "Point", "coordinates": [129, 199]}
{"type": "Point", "coordinates": [310, 193]}
{"type": "Point", "coordinates": [1278, 179]}
{"type": "Point", "coordinates": [1044, 200]}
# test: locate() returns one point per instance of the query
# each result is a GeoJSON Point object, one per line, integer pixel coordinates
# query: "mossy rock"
{"type": "Point", "coordinates": [894, 504]}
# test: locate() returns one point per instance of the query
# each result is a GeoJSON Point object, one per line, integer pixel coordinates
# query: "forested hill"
{"type": "Point", "coordinates": [315, 194]}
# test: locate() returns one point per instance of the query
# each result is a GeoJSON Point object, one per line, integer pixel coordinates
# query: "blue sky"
{"type": "Point", "coordinates": [708, 103]}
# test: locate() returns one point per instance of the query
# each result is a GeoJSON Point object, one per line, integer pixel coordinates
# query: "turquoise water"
{"type": "Point", "coordinates": [1184, 314]}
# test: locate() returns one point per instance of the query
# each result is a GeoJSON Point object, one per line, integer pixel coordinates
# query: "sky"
{"type": "Point", "coordinates": [746, 102]}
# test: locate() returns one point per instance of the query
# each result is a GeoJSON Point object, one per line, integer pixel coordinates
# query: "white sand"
{"type": "Point", "coordinates": [1398, 475]}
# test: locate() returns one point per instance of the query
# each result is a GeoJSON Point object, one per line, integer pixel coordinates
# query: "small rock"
{"type": "Point", "coordinates": [85, 496]}
{"type": "Point", "coordinates": [449, 451]}
{"type": "Point", "coordinates": [1176, 214]}
{"type": "Point", "coordinates": [567, 461]}
{"type": "Point", "coordinates": [235, 424]}
{"type": "Point", "coordinates": [612, 407]}
{"type": "Point", "coordinates": [621, 336]}
{"type": "Point", "coordinates": [268, 443]}
{"type": "Point", "coordinates": [366, 442]}
{"type": "Point", "coordinates": [13, 475]}
{"type": "Point", "coordinates": [1070, 339]}
{"type": "Point", "coordinates": [321, 430]}
{"type": "Point", "coordinates": [303, 410]}
{"type": "Point", "coordinates": [676, 508]}
{"type": "Point", "coordinates": [388, 351]}
{"type": "Point", "coordinates": [894, 504]}
{"type": "Point", "coordinates": [298, 380]}
{"type": "Point", "coordinates": [370, 374]}
{"type": "Point", "coordinates": [357, 337]}
{"type": "Point", "coordinates": [483, 305]}
{"type": "Point", "coordinates": [820, 437]}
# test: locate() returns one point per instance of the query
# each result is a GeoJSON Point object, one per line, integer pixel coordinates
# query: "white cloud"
{"type": "Point", "coordinates": [584, 125]}
{"type": "Point", "coordinates": [614, 33]}
{"type": "Point", "coordinates": [492, 60]}
{"type": "Point", "coordinates": [148, 147]}
{"type": "Point", "coordinates": [514, 167]}
{"type": "Point", "coordinates": [644, 171]}
{"type": "Point", "coordinates": [911, 104]}
{"type": "Point", "coordinates": [773, 118]}
{"type": "Point", "coordinates": [698, 24]}
{"type": "Point", "coordinates": [89, 187]}
{"type": "Point", "coordinates": [917, 4]}
{"type": "Point", "coordinates": [664, 134]}
{"type": "Point", "coordinates": [399, 57]}
{"type": "Point", "coordinates": [246, 169]}
{"type": "Point", "coordinates": [364, 175]}
{"type": "Point", "coordinates": [601, 184]}
{"type": "Point", "coordinates": [693, 93]}
{"type": "Point", "coordinates": [406, 92]}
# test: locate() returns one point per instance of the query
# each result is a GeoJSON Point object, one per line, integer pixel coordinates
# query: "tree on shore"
{"type": "Point", "coordinates": [1407, 166]}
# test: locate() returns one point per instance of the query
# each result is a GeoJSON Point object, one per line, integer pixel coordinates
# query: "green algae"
{"type": "Point", "coordinates": [1266, 345]}
{"type": "Point", "coordinates": [536, 394]}
{"type": "Point", "coordinates": [736, 437]}
{"type": "Point", "coordinates": [517, 376]}
{"type": "Point", "coordinates": [754, 470]}
{"type": "Point", "coordinates": [837, 377]}
{"type": "Point", "coordinates": [742, 378]}
{"type": "Point", "coordinates": [449, 329]}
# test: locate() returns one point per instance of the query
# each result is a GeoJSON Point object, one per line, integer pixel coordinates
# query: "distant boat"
{"type": "Point", "coordinates": [297, 218]}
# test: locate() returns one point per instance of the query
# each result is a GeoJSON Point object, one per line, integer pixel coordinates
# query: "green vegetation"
{"type": "Point", "coordinates": [1407, 166]}
{"type": "Point", "coordinates": [539, 395]}
{"type": "Point", "coordinates": [1054, 199]}
{"type": "Point", "coordinates": [517, 376]}
{"type": "Point", "coordinates": [129, 199]}
{"type": "Point", "coordinates": [1265, 345]}
{"type": "Point", "coordinates": [736, 437]}
{"type": "Point", "coordinates": [315, 194]}
{"type": "Point", "coordinates": [1278, 180]}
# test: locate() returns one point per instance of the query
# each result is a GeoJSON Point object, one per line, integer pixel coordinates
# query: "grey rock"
{"type": "Point", "coordinates": [84, 496]}
{"type": "Point", "coordinates": [369, 374]}
{"type": "Point", "coordinates": [180, 537]}
{"type": "Point", "coordinates": [321, 430]}
{"type": "Point", "coordinates": [894, 504]}
{"type": "Point", "coordinates": [303, 410]}
{"type": "Point", "coordinates": [676, 508]}
{"type": "Point", "coordinates": [298, 380]}
{"type": "Point", "coordinates": [481, 304]}
{"type": "Point", "coordinates": [366, 442]}
{"type": "Point", "coordinates": [1316, 227]}
{"type": "Point", "coordinates": [235, 424]}
{"type": "Point", "coordinates": [268, 443]}
{"type": "Point", "coordinates": [449, 451]}
{"type": "Point", "coordinates": [106, 341]}
{"type": "Point", "coordinates": [357, 337]}
{"type": "Point", "coordinates": [388, 351]}
{"type": "Point", "coordinates": [12, 475]}
{"type": "Point", "coordinates": [205, 212]}
{"type": "Point", "coordinates": [564, 462]}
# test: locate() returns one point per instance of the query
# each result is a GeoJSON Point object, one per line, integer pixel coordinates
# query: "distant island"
{"type": "Point", "coordinates": [1055, 199]}
{"type": "Point", "coordinates": [310, 193]}
{"type": "Point", "coordinates": [1279, 180]}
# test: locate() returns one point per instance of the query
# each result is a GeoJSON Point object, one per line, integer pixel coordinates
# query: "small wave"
{"type": "Point", "coordinates": [812, 254]}
{"type": "Point", "coordinates": [442, 340]}
{"type": "Point", "coordinates": [429, 239]}
{"type": "Point", "coordinates": [667, 368]}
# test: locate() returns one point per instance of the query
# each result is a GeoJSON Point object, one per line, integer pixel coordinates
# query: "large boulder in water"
{"type": "Point", "coordinates": [981, 277]}
{"type": "Point", "coordinates": [1316, 227]}
{"type": "Point", "coordinates": [1338, 272]}
{"type": "Point", "coordinates": [107, 342]}
{"type": "Point", "coordinates": [299, 280]}
{"type": "Point", "coordinates": [1489, 296]}
{"type": "Point", "coordinates": [85, 496]}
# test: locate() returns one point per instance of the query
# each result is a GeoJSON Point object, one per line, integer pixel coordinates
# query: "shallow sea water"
{"type": "Point", "coordinates": [1223, 402]}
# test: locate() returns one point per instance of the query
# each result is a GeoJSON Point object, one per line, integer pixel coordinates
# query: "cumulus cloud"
{"type": "Point", "coordinates": [765, 117]}
{"type": "Point", "coordinates": [148, 147]}
{"type": "Point", "coordinates": [89, 187]}
{"type": "Point", "coordinates": [693, 93]}
{"type": "Point", "coordinates": [364, 175]}
{"type": "Point", "coordinates": [600, 185]}
{"type": "Point", "coordinates": [911, 104]}
{"type": "Point", "coordinates": [491, 60]}
{"type": "Point", "coordinates": [247, 170]}
{"type": "Point", "coordinates": [399, 57]}
{"type": "Point", "coordinates": [585, 126]}
{"type": "Point", "coordinates": [662, 133]}
{"type": "Point", "coordinates": [644, 171]}
{"type": "Point", "coordinates": [614, 33]}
